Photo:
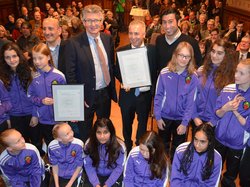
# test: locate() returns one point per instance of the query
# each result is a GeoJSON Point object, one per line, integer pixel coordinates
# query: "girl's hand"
{"type": "Point", "coordinates": [181, 129]}
{"type": "Point", "coordinates": [48, 101]}
{"type": "Point", "coordinates": [161, 124]}
{"type": "Point", "coordinates": [33, 121]}
{"type": "Point", "coordinates": [234, 104]}
{"type": "Point", "coordinates": [97, 185]}
{"type": "Point", "coordinates": [197, 122]}
{"type": "Point", "coordinates": [127, 89]}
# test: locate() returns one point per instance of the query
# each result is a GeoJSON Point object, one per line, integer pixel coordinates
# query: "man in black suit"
{"type": "Point", "coordinates": [235, 36]}
{"type": "Point", "coordinates": [90, 62]}
{"type": "Point", "coordinates": [244, 45]}
{"type": "Point", "coordinates": [136, 100]}
{"type": "Point", "coordinates": [52, 32]}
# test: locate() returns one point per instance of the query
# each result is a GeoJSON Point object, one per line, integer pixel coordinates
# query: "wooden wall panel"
{"type": "Point", "coordinates": [238, 14]}
{"type": "Point", "coordinates": [7, 7]}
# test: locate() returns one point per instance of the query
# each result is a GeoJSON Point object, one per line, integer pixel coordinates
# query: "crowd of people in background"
{"type": "Point", "coordinates": [203, 83]}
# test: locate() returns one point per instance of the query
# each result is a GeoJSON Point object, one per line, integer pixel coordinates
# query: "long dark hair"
{"type": "Point", "coordinates": [224, 74]}
{"type": "Point", "coordinates": [157, 155]}
{"type": "Point", "coordinates": [113, 148]}
{"type": "Point", "coordinates": [189, 153]}
{"type": "Point", "coordinates": [23, 71]}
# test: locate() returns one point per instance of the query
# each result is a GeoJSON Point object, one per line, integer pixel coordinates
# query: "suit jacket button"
{"type": "Point", "coordinates": [94, 77]}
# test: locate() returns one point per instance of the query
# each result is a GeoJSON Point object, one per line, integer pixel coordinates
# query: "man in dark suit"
{"type": "Point", "coordinates": [52, 32]}
{"type": "Point", "coordinates": [235, 36]}
{"type": "Point", "coordinates": [90, 62]}
{"type": "Point", "coordinates": [136, 100]}
{"type": "Point", "coordinates": [244, 45]}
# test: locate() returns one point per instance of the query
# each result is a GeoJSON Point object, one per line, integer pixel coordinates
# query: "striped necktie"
{"type": "Point", "coordinates": [103, 63]}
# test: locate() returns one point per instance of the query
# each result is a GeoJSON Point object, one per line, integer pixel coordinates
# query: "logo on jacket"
{"type": "Point", "coordinates": [188, 80]}
{"type": "Point", "coordinates": [54, 82]}
{"type": "Point", "coordinates": [73, 153]}
{"type": "Point", "coordinates": [27, 159]}
{"type": "Point", "coordinates": [246, 105]}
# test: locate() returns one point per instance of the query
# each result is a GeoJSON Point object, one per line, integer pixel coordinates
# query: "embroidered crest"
{"type": "Point", "coordinates": [54, 82]}
{"type": "Point", "coordinates": [27, 159]}
{"type": "Point", "coordinates": [188, 80]}
{"type": "Point", "coordinates": [246, 105]}
{"type": "Point", "coordinates": [73, 153]}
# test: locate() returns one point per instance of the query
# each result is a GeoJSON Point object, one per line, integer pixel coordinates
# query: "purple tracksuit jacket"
{"type": "Point", "coordinates": [67, 157]}
{"type": "Point", "coordinates": [194, 177]}
{"type": "Point", "coordinates": [175, 94]}
{"type": "Point", "coordinates": [40, 88]}
{"type": "Point", "coordinates": [102, 169]}
{"type": "Point", "coordinates": [229, 131]}
{"type": "Point", "coordinates": [137, 172]}
{"type": "Point", "coordinates": [26, 167]}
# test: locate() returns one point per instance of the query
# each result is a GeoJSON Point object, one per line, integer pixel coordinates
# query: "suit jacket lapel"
{"type": "Point", "coordinates": [86, 48]}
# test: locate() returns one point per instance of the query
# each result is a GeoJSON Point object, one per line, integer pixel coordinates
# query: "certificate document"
{"type": "Point", "coordinates": [68, 102]}
{"type": "Point", "coordinates": [134, 67]}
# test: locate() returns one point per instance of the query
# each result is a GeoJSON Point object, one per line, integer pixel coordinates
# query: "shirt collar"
{"type": "Point", "coordinates": [142, 45]}
{"type": "Point", "coordinates": [177, 35]}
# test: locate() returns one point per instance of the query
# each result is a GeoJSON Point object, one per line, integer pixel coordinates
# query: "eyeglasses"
{"type": "Point", "coordinates": [184, 57]}
{"type": "Point", "coordinates": [90, 21]}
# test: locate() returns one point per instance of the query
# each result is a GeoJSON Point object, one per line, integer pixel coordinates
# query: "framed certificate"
{"type": "Point", "coordinates": [68, 102]}
{"type": "Point", "coordinates": [134, 67]}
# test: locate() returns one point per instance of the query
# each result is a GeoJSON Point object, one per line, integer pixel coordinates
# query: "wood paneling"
{"type": "Point", "coordinates": [238, 14]}
{"type": "Point", "coordinates": [6, 8]}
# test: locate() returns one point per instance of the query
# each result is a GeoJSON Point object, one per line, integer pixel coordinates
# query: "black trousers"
{"type": "Point", "coordinates": [62, 182]}
{"type": "Point", "coordinates": [102, 180]}
{"type": "Point", "coordinates": [245, 168]}
{"type": "Point", "coordinates": [130, 105]}
{"type": "Point", "coordinates": [232, 158]}
{"type": "Point", "coordinates": [101, 106]}
{"type": "Point", "coordinates": [3, 126]}
{"type": "Point", "coordinates": [170, 137]}
{"type": "Point", "coordinates": [22, 124]}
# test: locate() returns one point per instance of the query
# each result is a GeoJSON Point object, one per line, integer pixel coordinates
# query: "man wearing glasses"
{"type": "Point", "coordinates": [89, 60]}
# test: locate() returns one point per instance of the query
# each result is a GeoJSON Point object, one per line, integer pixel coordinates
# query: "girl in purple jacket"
{"type": "Point", "coordinates": [105, 156]}
{"type": "Point", "coordinates": [217, 72]}
{"type": "Point", "coordinates": [147, 164]}
{"type": "Point", "coordinates": [233, 126]}
{"type": "Point", "coordinates": [66, 156]}
{"type": "Point", "coordinates": [174, 97]}
{"type": "Point", "coordinates": [197, 163]}
{"type": "Point", "coordinates": [40, 89]}
{"type": "Point", "coordinates": [17, 76]}
{"type": "Point", "coordinates": [20, 163]}
{"type": "Point", "coordinates": [5, 106]}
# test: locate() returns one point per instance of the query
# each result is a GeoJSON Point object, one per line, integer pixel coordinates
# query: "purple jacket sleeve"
{"type": "Point", "coordinates": [37, 170]}
{"type": "Point", "coordinates": [176, 176]}
{"type": "Point", "coordinates": [214, 179]}
{"type": "Point", "coordinates": [129, 173]}
{"type": "Point", "coordinates": [91, 171]}
{"type": "Point", "coordinates": [116, 173]}
{"type": "Point", "coordinates": [52, 158]}
{"type": "Point", "coordinates": [32, 95]}
{"type": "Point", "coordinates": [5, 104]}
{"type": "Point", "coordinates": [158, 99]}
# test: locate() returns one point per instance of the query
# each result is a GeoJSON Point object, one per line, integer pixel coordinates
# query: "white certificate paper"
{"type": "Point", "coordinates": [68, 102]}
{"type": "Point", "coordinates": [134, 67]}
